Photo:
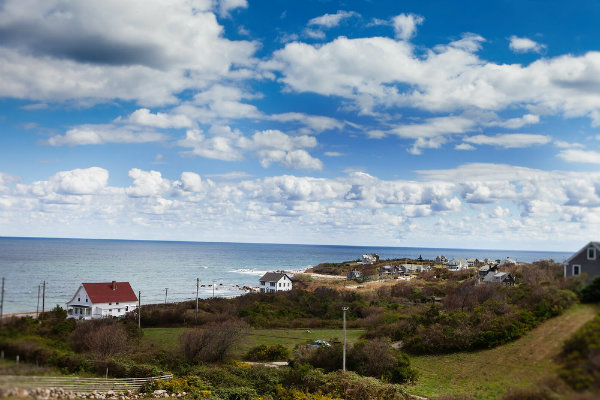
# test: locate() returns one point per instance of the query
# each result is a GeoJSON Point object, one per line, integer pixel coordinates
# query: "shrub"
{"type": "Point", "coordinates": [105, 337]}
{"type": "Point", "coordinates": [212, 342]}
{"type": "Point", "coordinates": [263, 352]}
{"type": "Point", "coordinates": [379, 359]}
{"type": "Point", "coordinates": [591, 293]}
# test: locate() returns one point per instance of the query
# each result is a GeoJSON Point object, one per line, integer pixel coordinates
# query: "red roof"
{"type": "Point", "coordinates": [104, 293]}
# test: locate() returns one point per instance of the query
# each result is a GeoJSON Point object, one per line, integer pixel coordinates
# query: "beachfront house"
{"type": "Point", "coordinates": [354, 274]}
{"type": "Point", "coordinates": [413, 268]}
{"type": "Point", "coordinates": [457, 264]}
{"type": "Point", "coordinates": [495, 277]}
{"type": "Point", "coordinates": [485, 269]}
{"type": "Point", "coordinates": [369, 258]}
{"type": "Point", "coordinates": [101, 300]}
{"type": "Point", "coordinates": [272, 282]}
{"type": "Point", "coordinates": [585, 261]}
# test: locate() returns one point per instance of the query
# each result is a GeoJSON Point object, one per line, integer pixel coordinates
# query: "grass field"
{"type": "Point", "coordinates": [486, 374]}
{"type": "Point", "coordinates": [168, 337]}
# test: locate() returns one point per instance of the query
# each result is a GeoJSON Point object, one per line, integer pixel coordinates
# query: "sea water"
{"type": "Point", "coordinates": [153, 266]}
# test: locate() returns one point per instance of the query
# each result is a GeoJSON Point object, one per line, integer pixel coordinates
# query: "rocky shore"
{"type": "Point", "coordinates": [58, 393]}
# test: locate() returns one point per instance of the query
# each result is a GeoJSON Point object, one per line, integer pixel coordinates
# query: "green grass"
{"type": "Point", "coordinates": [167, 338]}
{"type": "Point", "coordinates": [486, 374]}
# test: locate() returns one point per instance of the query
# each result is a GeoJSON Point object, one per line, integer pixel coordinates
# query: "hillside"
{"type": "Point", "coordinates": [486, 374]}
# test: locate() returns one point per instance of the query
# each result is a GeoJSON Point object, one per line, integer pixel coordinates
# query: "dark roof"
{"type": "Point", "coordinates": [104, 293]}
{"type": "Point", "coordinates": [273, 276]}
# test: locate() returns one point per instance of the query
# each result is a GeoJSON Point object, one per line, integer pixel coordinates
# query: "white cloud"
{"type": "Point", "coordinates": [580, 156]}
{"type": "Point", "coordinates": [102, 134]}
{"type": "Point", "coordinates": [216, 147]}
{"type": "Point", "coordinates": [509, 140]}
{"type": "Point", "coordinates": [144, 117]}
{"type": "Point", "coordinates": [464, 146]}
{"type": "Point", "coordinates": [334, 154]}
{"type": "Point", "coordinates": [525, 45]}
{"type": "Point", "coordinates": [405, 25]}
{"type": "Point", "coordinates": [225, 6]}
{"type": "Point", "coordinates": [147, 183]}
{"type": "Point", "coordinates": [332, 20]}
{"type": "Point", "coordinates": [143, 50]}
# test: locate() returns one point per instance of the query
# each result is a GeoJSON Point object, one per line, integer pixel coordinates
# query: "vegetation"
{"type": "Point", "coordinates": [580, 356]}
{"type": "Point", "coordinates": [264, 352]}
{"type": "Point", "coordinates": [591, 292]}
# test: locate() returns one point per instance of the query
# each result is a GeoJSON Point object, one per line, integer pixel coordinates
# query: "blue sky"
{"type": "Point", "coordinates": [439, 124]}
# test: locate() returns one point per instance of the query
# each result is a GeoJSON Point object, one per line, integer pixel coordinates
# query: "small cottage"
{"type": "Point", "coordinates": [101, 300]}
{"type": "Point", "coordinates": [272, 282]}
{"type": "Point", "coordinates": [354, 274]}
{"type": "Point", "coordinates": [585, 261]}
{"type": "Point", "coordinates": [457, 264]}
{"type": "Point", "coordinates": [504, 278]}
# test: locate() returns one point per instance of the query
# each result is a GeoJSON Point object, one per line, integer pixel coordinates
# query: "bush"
{"type": "Point", "coordinates": [377, 358]}
{"type": "Point", "coordinates": [212, 342]}
{"type": "Point", "coordinates": [105, 337]}
{"type": "Point", "coordinates": [263, 352]}
{"type": "Point", "coordinates": [580, 355]}
{"type": "Point", "coordinates": [591, 293]}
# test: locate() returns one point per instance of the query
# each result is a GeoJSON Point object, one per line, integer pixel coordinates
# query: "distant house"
{"type": "Point", "coordinates": [504, 278]}
{"type": "Point", "coordinates": [413, 268]}
{"type": "Point", "coordinates": [457, 264]}
{"type": "Point", "coordinates": [354, 274]}
{"type": "Point", "coordinates": [389, 270]}
{"type": "Point", "coordinates": [507, 261]}
{"type": "Point", "coordinates": [585, 261]}
{"type": "Point", "coordinates": [272, 282]}
{"type": "Point", "coordinates": [485, 269]}
{"type": "Point", "coordinates": [100, 300]}
{"type": "Point", "coordinates": [441, 259]}
{"type": "Point", "coordinates": [370, 258]}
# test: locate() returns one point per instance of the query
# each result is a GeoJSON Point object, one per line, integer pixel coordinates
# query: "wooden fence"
{"type": "Point", "coordinates": [77, 384]}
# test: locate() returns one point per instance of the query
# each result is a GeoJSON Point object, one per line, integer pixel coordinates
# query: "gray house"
{"type": "Point", "coordinates": [585, 261]}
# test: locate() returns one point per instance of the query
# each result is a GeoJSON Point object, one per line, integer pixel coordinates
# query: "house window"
{"type": "Point", "coordinates": [279, 284]}
{"type": "Point", "coordinates": [86, 300]}
{"type": "Point", "coordinates": [78, 299]}
{"type": "Point", "coordinates": [576, 270]}
{"type": "Point", "coordinates": [272, 283]}
{"type": "Point", "coordinates": [126, 308]}
{"type": "Point", "coordinates": [117, 303]}
{"type": "Point", "coordinates": [119, 310]}
{"type": "Point", "coordinates": [110, 304]}
{"type": "Point", "coordinates": [262, 283]}
{"type": "Point", "coordinates": [591, 253]}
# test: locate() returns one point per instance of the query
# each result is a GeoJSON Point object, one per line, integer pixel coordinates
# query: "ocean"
{"type": "Point", "coordinates": [153, 266]}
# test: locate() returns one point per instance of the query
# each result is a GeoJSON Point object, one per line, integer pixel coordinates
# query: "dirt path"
{"type": "Point", "coordinates": [486, 374]}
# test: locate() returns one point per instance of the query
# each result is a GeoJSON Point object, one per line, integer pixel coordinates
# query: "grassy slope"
{"type": "Point", "coordinates": [167, 337]}
{"type": "Point", "coordinates": [486, 374]}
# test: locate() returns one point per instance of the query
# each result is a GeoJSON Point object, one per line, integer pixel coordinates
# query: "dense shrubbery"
{"type": "Point", "coordinates": [581, 357]}
{"type": "Point", "coordinates": [212, 342]}
{"type": "Point", "coordinates": [263, 352]}
{"type": "Point", "coordinates": [591, 292]}
{"type": "Point", "coordinates": [376, 358]}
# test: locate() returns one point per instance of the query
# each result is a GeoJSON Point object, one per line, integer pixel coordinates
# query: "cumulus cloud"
{"type": "Point", "coordinates": [147, 183]}
{"type": "Point", "coordinates": [332, 20]}
{"type": "Point", "coordinates": [509, 140]}
{"type": "Point", "coordinates": [405, 25]}
{"type": "Point", "coordinates": [110, 50]}
{"type": "Point", "coordinates": [225, 6]}
{"type": "Point", "coordinates": [102, 134]}
{"type": "Point", "coordinates": [145, 117]}
{"type": "Point", "coordinates": [580, 156]}
{"type": "Point", "coordinates": [525, 45]}
{"type": "Point", "coordinates": [464, 146]}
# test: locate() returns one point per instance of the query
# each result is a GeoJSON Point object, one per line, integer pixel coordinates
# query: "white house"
{"type": "Point", "coordinates": [272, 282]}
{"type": "Point", "coordinates": [369, 258]}
{"type": "Point", "coordinates": [98, 300]}
{"type": "Point", "coordinates": [457, 264]}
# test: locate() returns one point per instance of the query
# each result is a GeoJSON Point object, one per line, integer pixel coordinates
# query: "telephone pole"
{"type": "Point", "coordinates": [140, 309]}
{"type": "Point", "coordinates": [43, 298]}
{"type": "Point", "coordinates": [344, 309]}
{"type": "Point", "coordinates": [166, 290]}
{"type": "Point", "coordinates": [197, 289]}
{"type": "Point", "coordinates": [37, 308]}
{"type": "Point", "coordinates": [2, 302]}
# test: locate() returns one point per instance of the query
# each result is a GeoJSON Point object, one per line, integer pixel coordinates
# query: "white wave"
{"type": "Point", "coordinates": [249, 271]}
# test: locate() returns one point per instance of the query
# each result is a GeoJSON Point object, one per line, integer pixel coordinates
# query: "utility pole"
{"type": "Point", "coordinates": [166, 290]}
{"type": "Point", "coordinates": [140, 309]}
{"type": "Point", "coordinates": [344, 309]}
{"type": "Point", "coordinates": [197, 289]}
{"type": "Point", "coordinates": [2, 302]}
{"type": "Point", "coordinates": [37, 308]}
{"type": "Point", "coordinates": [43, 298]}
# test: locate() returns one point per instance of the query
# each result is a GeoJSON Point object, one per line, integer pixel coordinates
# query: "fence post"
{"type": "Point", "coordinates": [17, 360]}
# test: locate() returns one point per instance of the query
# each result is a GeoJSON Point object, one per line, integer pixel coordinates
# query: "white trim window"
{"type": "Point", "coordinates": [591, 253]}
{"type": "Point", "coordinates": [576, 269]}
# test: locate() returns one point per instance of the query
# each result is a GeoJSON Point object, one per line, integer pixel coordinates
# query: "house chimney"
{"type": "Point", "coordinates": [114, 285]}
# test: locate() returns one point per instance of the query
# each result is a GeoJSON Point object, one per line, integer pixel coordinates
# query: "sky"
{"type": "Point", "coordinates": [468, 124]}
